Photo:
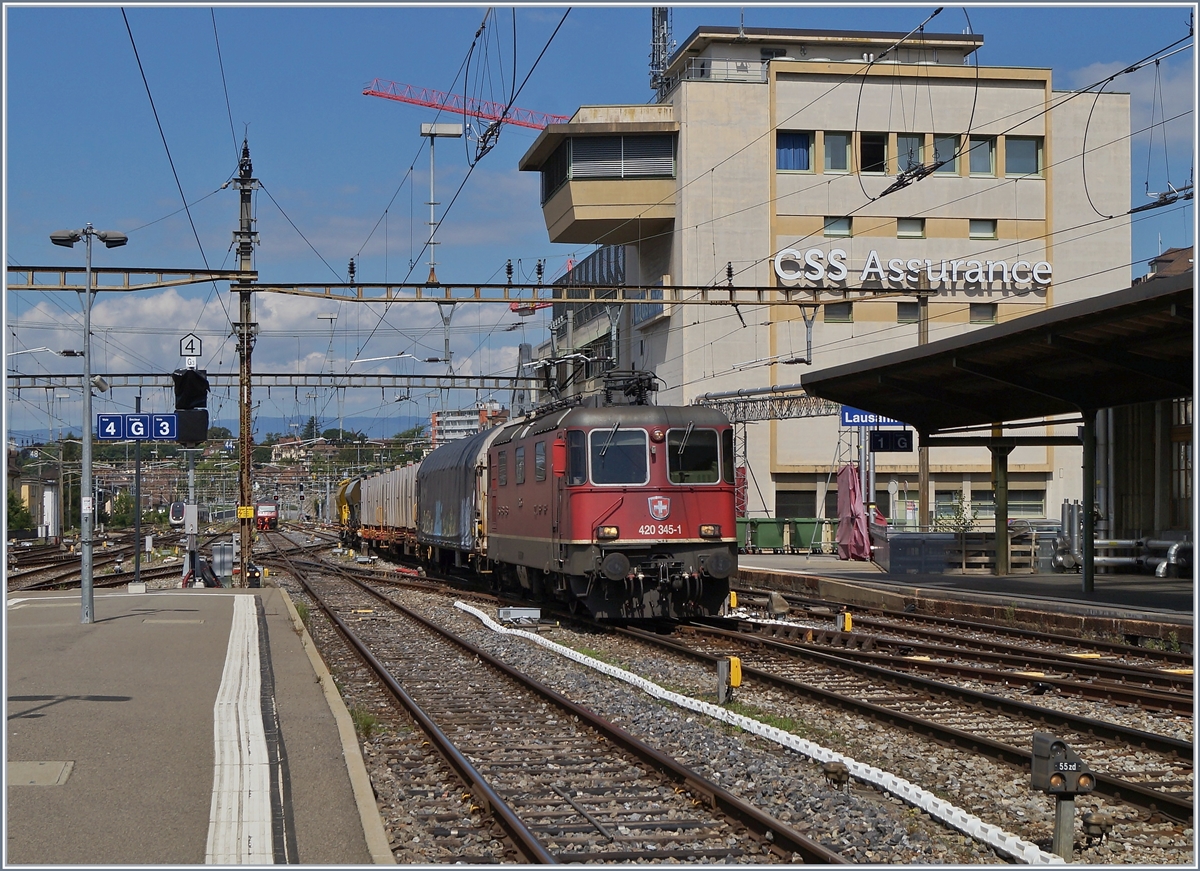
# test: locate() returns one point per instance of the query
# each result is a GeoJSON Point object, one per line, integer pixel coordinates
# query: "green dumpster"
{"type": "Point", "coordinates": [743, 529]}
{"type": "Point", "coordinates": [768, 533]}
{"type": "Point", "coordinates": [809, 533]}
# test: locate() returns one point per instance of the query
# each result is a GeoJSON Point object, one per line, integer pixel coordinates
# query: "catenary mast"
{"type": "Point", "coordinates": [245, 238]}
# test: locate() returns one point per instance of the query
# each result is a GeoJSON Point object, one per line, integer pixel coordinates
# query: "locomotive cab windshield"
{"type": "Point", "coordinates": [693, 456]}
{"type": "Point", "coordinates": [619, 456]}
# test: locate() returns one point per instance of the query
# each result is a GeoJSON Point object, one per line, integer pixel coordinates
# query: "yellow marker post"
{"type": "Point", "coordinates": [732, 599]}
{"type": "Point", "coordinates": [735, 672]}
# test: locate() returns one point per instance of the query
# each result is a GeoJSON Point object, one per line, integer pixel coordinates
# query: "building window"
{"type": "Point", "coordinates": [1021, 503]}
{"type": "Point", "coordinates": [556, 170]}
{"type": "Point", "coordinates": [872, 152]}
{"type": "Point", "coordinates": [837, 152]}
{"type": "Point", "coordinates": [502, 468]}
{"type": "Point", "coordinates": [519, 470]}
{"type": "Point", "coordinates": [983, 228]}
{"type": "Point", "coordinates": [839, 312]}
{"type": "Point", "coordinates": [983, 313]}
{"type": "Point", "coordinates": [910, 151]}
{"type": "Point", "coordinates": [622, 156]}
{"type": "Point", "coordinates": [792, 151]}
{"type": "Point", "coordinates": [837, 226]}
{"type": "Point", "coordinates": [948, 503]}
{"type": "Point", "coordinates": [539, 461]}
{"type": "Point", "coordinates": [803, 503]}
{"type": "Point", "coordinates": [983, 155]}
{"type": "Point", "coordinates": [945, 148]}
{"type": "Point", "coordinates": [907, 312]}
{"type": "Point", "coordinates": [910, 228]}
{"type": "Point", "coordinates": [1022, 155]}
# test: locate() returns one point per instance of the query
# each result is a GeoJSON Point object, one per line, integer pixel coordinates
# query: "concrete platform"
{"type": "Point", "coordinates": [181, 727]}
{"type": "Point", "coordinates": [1132, 605]}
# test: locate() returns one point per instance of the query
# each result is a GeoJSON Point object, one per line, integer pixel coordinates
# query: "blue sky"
{"type": "Point", "coordinates": [81, 144]}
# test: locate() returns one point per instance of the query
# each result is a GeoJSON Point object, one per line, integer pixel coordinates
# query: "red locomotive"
{"type": "Point", "coordinates": [626, 511]}
{"type": "Point", "coordinates": [266, 515]}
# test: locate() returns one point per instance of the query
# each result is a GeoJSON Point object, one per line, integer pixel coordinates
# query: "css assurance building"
{"type": "Point", "coordinates": [839, 162]}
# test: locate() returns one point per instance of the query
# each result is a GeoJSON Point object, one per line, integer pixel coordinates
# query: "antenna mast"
{"type": "Point", "coordinates": [660, 48]}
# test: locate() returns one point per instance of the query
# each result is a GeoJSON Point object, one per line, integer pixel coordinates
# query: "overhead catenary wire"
{"type": "Point", "coordinates": [467, 177]}
{"type": "Point", "coordinates": [1026, 118]}
{"type": "Point", "coordinates": [221, 65]}
{"type": "Point", "coordinates": [162, 134]}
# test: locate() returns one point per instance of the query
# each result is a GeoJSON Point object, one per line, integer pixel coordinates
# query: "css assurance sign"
{"type": "Point", "coordinates": [792, 266]}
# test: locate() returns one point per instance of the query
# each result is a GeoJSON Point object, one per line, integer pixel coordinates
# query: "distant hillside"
{"type": "Point", "coordinates": [371, 426]}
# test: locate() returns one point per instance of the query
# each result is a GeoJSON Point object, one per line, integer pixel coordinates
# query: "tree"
{"type": "Point", "coordinates": [123, 509]}
{"type": "Point", "coordinates": [219, 434]}
{"type": "Point", "coordinates": [309, 430]}
{"type": "Point", "coordinates": [342, 435]}
{"type": "Point", "coordinates": [18, 515]}
{"type": "Point", "coordinates": [959, 520]}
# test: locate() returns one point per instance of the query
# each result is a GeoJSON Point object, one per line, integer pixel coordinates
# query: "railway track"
{"type": "Point", "coordinates": [975, 634]}
{"type": "Point", "coordinates": [564, 784]}
{"type": "Point", "coordinates": [1078, 672]}
{"type": "Point", "coordinates": [1151, 772]}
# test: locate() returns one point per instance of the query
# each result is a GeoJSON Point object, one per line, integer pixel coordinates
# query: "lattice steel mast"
{"type": "Point", "coordinates": [245, 238]}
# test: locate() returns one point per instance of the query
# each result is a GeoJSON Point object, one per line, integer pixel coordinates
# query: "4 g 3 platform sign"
{"type": "Point", "coordinates": [816, 267]}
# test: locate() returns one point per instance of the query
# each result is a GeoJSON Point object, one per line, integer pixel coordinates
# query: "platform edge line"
{"type": "Point", "coordinates": [360, 781]}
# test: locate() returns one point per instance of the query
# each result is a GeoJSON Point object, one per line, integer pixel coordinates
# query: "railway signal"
{"type": "Point", "coordinates": [191, 401]}
{"type": "Point", "coordinates": [1057, 770]}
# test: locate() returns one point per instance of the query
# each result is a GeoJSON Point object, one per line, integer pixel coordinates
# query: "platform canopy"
{"type": "Point", "coordinates": [1134, 345]}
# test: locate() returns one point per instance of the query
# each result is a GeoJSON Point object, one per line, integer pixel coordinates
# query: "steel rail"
{"type": "Point", "coordinates": [782, 837]}
{"type": "Point", "coordinates": [1171, 690]}
{"type": "Point", "coordinates": [1105, 690]}
{"type": "Point", "coordinates": [526, 843]}
{"type": "Point", "coordinates": [959, 623]}
{"type": "Point", "coordinates": [1120, 790]}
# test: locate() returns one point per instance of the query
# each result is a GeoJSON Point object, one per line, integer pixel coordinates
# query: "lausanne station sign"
{"type": "Point", "coordinates": [816, 267]}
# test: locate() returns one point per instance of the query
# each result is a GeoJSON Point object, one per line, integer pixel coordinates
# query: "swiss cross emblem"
{"type": "Point", "coordinates": [660, 507]}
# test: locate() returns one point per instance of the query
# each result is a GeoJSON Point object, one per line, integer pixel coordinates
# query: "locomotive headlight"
{"type": "Point", "coordinates": [710, 530]}
{"type": "Point", "coordinates": [608, 532]}
{"type": "Point", "coordinates": [657, 434]}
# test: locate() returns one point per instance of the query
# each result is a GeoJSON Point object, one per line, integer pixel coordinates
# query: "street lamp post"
{"type": "Point", "coordinates": [67, 239]}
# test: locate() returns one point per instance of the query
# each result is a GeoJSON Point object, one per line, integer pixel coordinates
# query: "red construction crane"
{"type": "Point", "coordinates": [462, 105]}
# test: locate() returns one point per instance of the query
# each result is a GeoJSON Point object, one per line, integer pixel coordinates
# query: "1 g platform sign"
{"type": "Point", "coordinates": [136, 427]}
{"type": "Point", "coordinates": [891, 440]}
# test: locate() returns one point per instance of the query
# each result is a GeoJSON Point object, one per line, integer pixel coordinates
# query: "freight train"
{"type": "Point", "coordinates": [624, 511]}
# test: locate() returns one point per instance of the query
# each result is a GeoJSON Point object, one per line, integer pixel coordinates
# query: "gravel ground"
{"type": "Point", "coordinates": [865, 824]}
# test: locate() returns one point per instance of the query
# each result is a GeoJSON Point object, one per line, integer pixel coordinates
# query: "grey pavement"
{"type": "Point", "coordinates": [128, 701]}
